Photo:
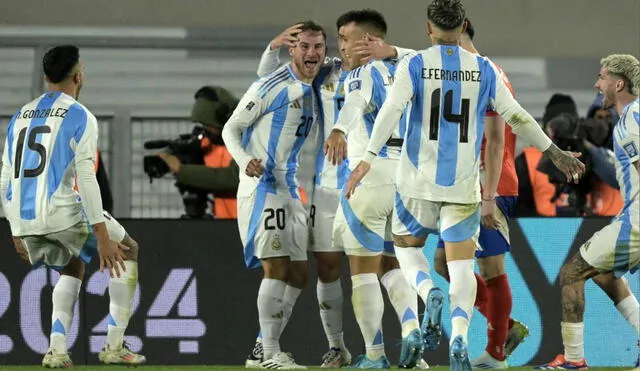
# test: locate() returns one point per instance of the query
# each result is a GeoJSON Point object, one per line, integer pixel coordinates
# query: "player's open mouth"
{"type": "Point", "coordinates": [310, 64]}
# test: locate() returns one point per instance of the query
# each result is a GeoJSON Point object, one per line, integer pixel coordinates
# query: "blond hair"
{"type": "Point", "coordinates": [626, 66]}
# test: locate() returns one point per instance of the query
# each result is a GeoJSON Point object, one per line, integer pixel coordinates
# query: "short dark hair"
{"type": "Point", "coordinates": [470, 30]}
{"type": "Point", "coordinates": [446, 14]}
{"type": "Point", "coordinates": [310, 25]}
{"type": "Point", "coordinates": [370, 18]}
{"type": "Point", "coordinates": [59, 61]}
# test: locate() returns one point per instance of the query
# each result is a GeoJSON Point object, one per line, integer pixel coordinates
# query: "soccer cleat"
{"type": "Point", "coordinates": [364, 362]}
{"type": "Point", "coordinates": [422, 365]}
{"type": "Point", "coordinates": [122, 356]}
{"type": "Point", "coordinates": [281, 361]}
{"type": "Point", "coordinates": [411, 351]}
{"type": "Point", "coordinates": [431, 322]}
{"type": "Point", "coordinates": [56, 360]}
{"type": "Point", "coordinates": [515, 337]}
{"type": "Point", "coordinates": [487, 361]}
{"type": "Point", "coordinates": [459, 355]}
{"type": "Point", "coordinates": [255, 357]}
{"type": "Point", "coordinates": [559, 363]}
{"type": "Point", "coordinates": [336, 358]}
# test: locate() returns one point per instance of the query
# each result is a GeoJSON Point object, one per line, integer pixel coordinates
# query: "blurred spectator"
{"type": "Point", "coordinates": [220, 174]}
{"type": "Point", "coordinates": [545, 193]}
{"type": "Point", "coordinates": [609, 117]}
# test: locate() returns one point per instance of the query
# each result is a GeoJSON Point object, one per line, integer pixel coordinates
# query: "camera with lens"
{"type": "Point", "coordinates": [187, 148]}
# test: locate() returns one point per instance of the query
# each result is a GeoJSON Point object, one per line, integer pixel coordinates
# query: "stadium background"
{"type": "Point", "coordinates": [145, 59]}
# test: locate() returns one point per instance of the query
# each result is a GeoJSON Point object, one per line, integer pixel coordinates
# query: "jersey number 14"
{"type": "Point", "coordinates": [462, 118]}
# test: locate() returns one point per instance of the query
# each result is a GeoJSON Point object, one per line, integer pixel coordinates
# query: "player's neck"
{"type": "Point", "coordinates": [68, 89]}
{"type": "Point", "coordinates": [445, 41]}
{"type": "Point", "coordinates": [299, 76]}
{"type": "Point", "coordinates": [623, 100]}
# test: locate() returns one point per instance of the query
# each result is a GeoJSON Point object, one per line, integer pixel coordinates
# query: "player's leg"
{"type": "Point", "coordinates": [618, 291]}
{"type": "Point", "coordinates": [121, 294]}
{"type": "Point", "coordinates": [459, 229]}
{"type": "Point", "coordinates": [360, 227]}
{"type": "Point", "coordinates": [329, 263]}
{"type": "Point", "coordinates": [413, 220]}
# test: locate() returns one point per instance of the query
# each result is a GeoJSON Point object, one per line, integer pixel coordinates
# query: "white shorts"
{"type": "Point", "coordinates": [418, 218]}
{"type": "Point", "coordinates": [272, 226]}
{"type": "Point", "coordinates": [56, 249]}
{"type": "Point", "coordinates": [615, 248]}
{"type": "Point", "coordinates": [363, 223]}
{"type": "Point", "coordinates": [322, 215]}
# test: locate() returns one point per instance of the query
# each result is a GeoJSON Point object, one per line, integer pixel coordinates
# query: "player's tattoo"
{"type": "Point", "coordinates": [572, 278]}
{"type": "Point", "coordinates": [565, 162]}
{"type": "Point", "coordinates": [408, 241]}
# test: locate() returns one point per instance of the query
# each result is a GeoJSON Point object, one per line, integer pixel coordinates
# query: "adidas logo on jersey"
{"type": "Point", "coordinates": [295, 104]}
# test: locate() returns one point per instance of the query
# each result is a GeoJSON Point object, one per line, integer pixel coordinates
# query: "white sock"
{"type": "Point", "coordinates": [270, 313]}
{"type": "Point", "coordinates": [630, 310]}
{"type": "Point", "coordinates": [403, 299]}
{"type": "Point", "coordinates": [288, 301]}
{"type": "Point", "coordinates": [573, 341]}
{"type": "Point", "coordinates": [64, 297]}
{"type": "Point", "coordinates": [415, 268]}
{"type": "Point", "coordinates": [462, 295]}
{"type": "Point", "coordinates": [368, 307]}
{"type": "Point", "coordinates": [121, 293]}
{"type": "Point", "coordinates": [330, 302]}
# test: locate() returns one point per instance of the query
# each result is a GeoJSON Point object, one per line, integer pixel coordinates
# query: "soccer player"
{"type": "Point", "coordinates": [615, 249]}
{"type": "Point", "coordinates": [265, 135]}
{"type": "Point", "coordinates": [329, 180]}
{"type": "Point", "coordinates": [50, 141]}
{"type": "Point", "coordinates": [493, 298]}
{"type": "Point", "coordinates": [449, 90]}
{"type": "Point", "coordinates": [362, 224]}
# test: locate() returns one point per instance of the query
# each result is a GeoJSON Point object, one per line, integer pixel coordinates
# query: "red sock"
{"type": "Point", "coordinates": [481, 296]}
{"type": "Point", "coordinates": [499, 309]}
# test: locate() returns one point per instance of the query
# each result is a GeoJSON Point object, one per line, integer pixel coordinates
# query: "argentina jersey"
{"type": "Point", "coordinates": [627, 152]}
{"type": "Point", "coordinates": [276, 115]}
{"type": "Point", "coordinates": [330, 83]}
{"type": "Point", "coordinates": [44, 139]}
{"type": "Point", "coordinates": [452, 90]}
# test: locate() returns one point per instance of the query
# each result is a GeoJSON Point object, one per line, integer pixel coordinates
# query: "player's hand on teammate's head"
{"type": "Point", "coordinates": [372, 47]}
{"type": "Point", "coordinates": [254, 168]}
{"type": "Point", "coordinates": [288, 37]}
{"type": "Point", "coordinates": [335, 147]}
{"type": "Point", "coordinates": [489, 219]}
{"type": "Point", "coordinates": [112, 257]}
{"type": "Point", "coordinates": [355, 177]}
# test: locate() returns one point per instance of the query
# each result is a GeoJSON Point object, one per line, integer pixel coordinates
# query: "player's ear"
{"type": "Point", "coordinates": [429, 29]}
{"type": "Point", "coordinates": [620, 85]}
{"type": "Point", "coordinates": [291, 48]}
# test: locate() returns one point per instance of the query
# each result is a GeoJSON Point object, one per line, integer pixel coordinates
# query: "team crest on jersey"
{"type": "Point", "coordinates": [631, 149]}
{"type": "Point", "coordinates": [449, 51]}
{"type": "Point", "coordinates": [354, 85]}
{"type": "Point", "coordinates": [275, 243]}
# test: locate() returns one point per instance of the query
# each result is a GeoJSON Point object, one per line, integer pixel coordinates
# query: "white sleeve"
{"type": "Point", "coordinates": [522, 123]}
{"type": "Point", "coordinates": [631, 142]}
{"type": "Point", "coordinates": [358, 92]}
{"type": "Point", "coordinates": [269, 62]}
{"type": "Point", "coordinates": [5, 176]}
{"type": "Point", "coordinates": [391, 112]}
{"type": "Point", "coordinates": [402, 52]}
{"type": "Point", "coordinates": [248, 111]}
{"type": "Point", "coordinates": [85, 160]}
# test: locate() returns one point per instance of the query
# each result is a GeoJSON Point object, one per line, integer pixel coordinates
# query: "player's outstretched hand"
{"type": "Point", "coordinates": [372, 47]}
{"type": "Point", "coordinates": [335, 148]}
{"type": "Point", "coordinates": [356, 176]}
{"type": "Point", "coordinates": [567, 162]}
{"type": "Point", "coordinates": [489, 219]}
{"type": "Point", "coordinates": [288, 37]}
{"type": "Point", "coordinates": [254, 168]}
{"type": "Point", "coordinates": [112, 256]}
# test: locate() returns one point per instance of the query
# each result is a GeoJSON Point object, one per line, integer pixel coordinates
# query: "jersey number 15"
{"type": "Point", "coordinates": [462, 118]}
{"type": "Point", "coordinates": [34, 146]}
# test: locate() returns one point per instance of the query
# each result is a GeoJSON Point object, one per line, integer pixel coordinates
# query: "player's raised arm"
{"type": "Point", "coordinates": [249, 109]}
{"type": "Point", "coordinates": [389, 116]}
{"type": "Point", "coordinates": [523, 124]}
{"type": "Point", "coordinates": [270, 60]}
{"type": "Point", "coordinates": [358, 91]}
{"type": "Point", "coordinates": [373, 47]}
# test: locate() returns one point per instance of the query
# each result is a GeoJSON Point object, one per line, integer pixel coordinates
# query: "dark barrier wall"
{"type": "Point", "coordinates": [196, 301]}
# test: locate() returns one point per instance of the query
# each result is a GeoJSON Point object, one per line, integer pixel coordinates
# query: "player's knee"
{"type": "Point", "coordinates": [568, 275]}
{"type": "Point", "coordinates": [75, 268]}
{"type": "Point", "coordinates": [329, 266]}
{"type": "Point", "coordinates": [440, 263]}
{"type": "Point", "coordinates": [388, 264]}
{"type": "Point", "coordinates": [298, 274]}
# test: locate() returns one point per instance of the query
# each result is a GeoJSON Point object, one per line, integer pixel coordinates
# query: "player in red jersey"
{"type": "Point", "coordinates": [493, 298]}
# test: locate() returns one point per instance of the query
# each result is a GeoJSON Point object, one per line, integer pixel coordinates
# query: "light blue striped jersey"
{"type": "Point", "coordinates": [626, 147]}
{"type": "Point", "coordinates": [44, 140]}
{"type": "Point", "coordinates": [276, 116]}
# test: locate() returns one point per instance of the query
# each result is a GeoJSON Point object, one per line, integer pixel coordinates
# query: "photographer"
{"type": "Point", "coordinates": [219, 173]}
{"type": "Point", "coordinates": [545, 192]}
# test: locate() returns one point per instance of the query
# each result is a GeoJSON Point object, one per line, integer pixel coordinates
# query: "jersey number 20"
{"type": "Point", "coordinates": [34, 146]}
{"type": "Point", "coordinates": [462, 118]}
